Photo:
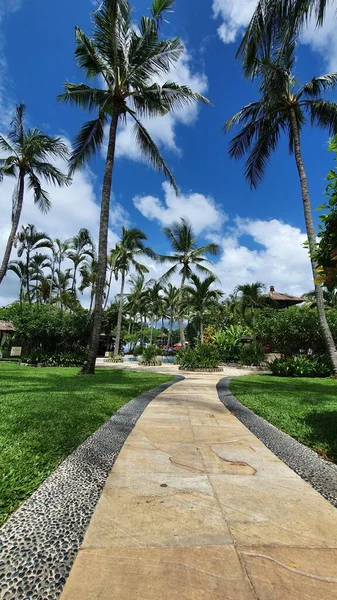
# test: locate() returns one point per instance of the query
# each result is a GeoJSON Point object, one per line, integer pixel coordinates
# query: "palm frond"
{"type": "Point", "coordinates": [41, 197]}
{"type": "Point", "coordinates": [317, 85]}
{"type": "Point", "coordinates": [323, 113]}
{"type": "Point", "coordinates": [150, 150]}
{"type": "Point", "coordinates": [88, 141]}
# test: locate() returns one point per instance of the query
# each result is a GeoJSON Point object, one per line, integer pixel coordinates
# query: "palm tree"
{"type": "Point", "coordinates": [251, 296]}
{"type": "Point", "coordinates": [275, 23]}
{"type": "Point", "coordinates": [63, 284]}
{"type": "Point", "coordinates": [59, 253]}
{"type": "Point", "coordinates": [330, 298]}
{"type": "Point", "coordinates": [30, 240]}
{"type": "Point", "coordinates": [154, 302]}
{"type": "Point", "coordinates": [28, 153]}
{"type": "Point", "coordinates": [135, 296]}
{"type": "Point", "coordinates": [200, 297]}
{"type": "Point", "coordinates": [283, 106]}
{"type": "Point", "coordinates": [129, 248]}
{"type": "Point", "coordinates": [37, 265]}
{"type": "Point", "coordinates": [88, 279]}
{"type": "Point", "coordinates": [130, 60]}
{"type": "Point", "coordinates": [19, 267]}
{"type": "Point", "coordinates": [185, 255]}
{"type": "Point", "coordinates": [81, 248]}
{"type": "Point", "coordinates": [171, 300]}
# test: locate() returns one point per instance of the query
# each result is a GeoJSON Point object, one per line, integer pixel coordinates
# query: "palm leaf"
{"type": "Point", "coordinates": [88, 141]}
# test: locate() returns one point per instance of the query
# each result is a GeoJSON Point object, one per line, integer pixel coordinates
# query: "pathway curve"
{"type": "Point", "coordinates": [197, 508]}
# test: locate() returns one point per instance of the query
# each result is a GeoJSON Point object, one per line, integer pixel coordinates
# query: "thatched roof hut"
{"type": "Point", "coordinates": [6, 327]}
{"type": "Point", "coordinates": [283, 300]}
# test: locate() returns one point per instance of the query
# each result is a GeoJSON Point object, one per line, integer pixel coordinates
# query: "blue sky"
{"type": "Point", "coordinates": [260, 232]}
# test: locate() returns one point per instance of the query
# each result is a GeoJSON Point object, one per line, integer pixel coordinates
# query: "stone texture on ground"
{"type": "Point", "coordinates": [197, 508]}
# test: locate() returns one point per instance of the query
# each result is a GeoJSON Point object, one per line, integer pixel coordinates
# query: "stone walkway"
{"type": "Point", "coordinates": [197, 508]}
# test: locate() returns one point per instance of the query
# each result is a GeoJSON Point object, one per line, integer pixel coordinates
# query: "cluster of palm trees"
{"type": "Point", "coordinates": [40, 263]}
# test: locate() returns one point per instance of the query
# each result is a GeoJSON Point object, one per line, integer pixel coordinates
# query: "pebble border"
{"type": "Point", "coordinates": [39, 542]}
{"type": "Point", "coordinates": [320, 473]}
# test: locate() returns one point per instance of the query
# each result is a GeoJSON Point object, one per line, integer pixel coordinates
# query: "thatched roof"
{"type": "Point", "coordinates": [283, 299]}
{"type": "Point", "coordinates": [7, 326]}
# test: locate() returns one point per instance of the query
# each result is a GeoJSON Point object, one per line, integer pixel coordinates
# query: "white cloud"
{"type": "Point", "coordinates": [163, 129]}
{"type": "Point", "coordinates": [280, 258]}
{"type": "Point", "coordinates": [73, 207]}
{"type": "Point", "coordinates": [235, 15]}
{"type": "Point", "coordinates": [323, 39]}
{"type": "Point", "coordinates": [200, 210]}
{"type": "Point", "coordinates": [6, 7]}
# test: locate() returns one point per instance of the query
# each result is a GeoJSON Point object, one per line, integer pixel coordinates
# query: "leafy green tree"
{"type": "Point", "coordinates": [154, 301]}
{"type": "Point", "coordinates": [283, 107]}
{"type": "Point", "coordinates": [28, 154]}
{"type": "Point", "coordinates": [130, 60]}
{"type": "Point", "coordinates": [251, 297]}
{"type": "Point", "coordinates": [38, 264]}
{"type": "Point", "coordinates": [81, 249]}
{"type": "Point", "coordinates": [186, 255]}
{"type": "Point", "coordinates": [129, 248]}
{"type": "Point", "coordinates": [199, 297]}
{"type": "Point", "coordinates": [19, 267]}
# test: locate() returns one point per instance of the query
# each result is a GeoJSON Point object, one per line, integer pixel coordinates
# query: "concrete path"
{"type": "Point", "coordinates": [197, 508]}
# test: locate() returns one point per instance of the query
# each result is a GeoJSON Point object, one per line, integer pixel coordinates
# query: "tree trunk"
{"type": "Point", "coordinates": [330, 343]}
{"type": "Point", "coordinates": [120, 316]}
{"type": "Point", "coordinates": [14, 228]}
{"type": "Point", "coordinates": [108, 290]}
{"type": "Point", "coordinates": [28, 279]}
{"type": "Point", "coordinates": [201, 329]}
{"type": "Point", "coordinates": [52, 281]}
{"type": "Point", "coordinates": [170, 331]}
{"type": "Point", "coordinates": [180, 319]}
{"type": "Point", "coordinates": [89, 366]}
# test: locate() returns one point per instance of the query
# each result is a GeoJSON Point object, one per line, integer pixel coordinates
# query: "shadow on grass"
{"type": "Point", "coordinates": [287, 386]}
{"type": "Point", "coordinates": [323, 426]}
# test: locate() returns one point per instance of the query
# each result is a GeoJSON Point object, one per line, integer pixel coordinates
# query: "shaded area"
{"type": "Point", "coordinates": [306, 409]}
{"type": "Point", "coordinates": [47, 413]}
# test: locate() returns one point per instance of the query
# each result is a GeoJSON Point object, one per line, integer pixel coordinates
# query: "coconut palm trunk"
{"type": "Point", "coordinates": [201, 329]}
{"type": "Point", "coordinates": [89, 366]}
{"type": "Point", "coordinates": [180, 318]}
{"type": "Point", "coordinates": [330, 343]}
{"type": "Point", "coordinates": [14, 228]}
{"type": "Point", "coordinates": [120, 316]}
{"type": "Point", "coordinates": [170, 330]}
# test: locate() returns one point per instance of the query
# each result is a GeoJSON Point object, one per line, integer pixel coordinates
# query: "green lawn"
{"type": "Point", "coordinates": [46, 413]}
{"type": "Point", "coordinates": [306, 409]}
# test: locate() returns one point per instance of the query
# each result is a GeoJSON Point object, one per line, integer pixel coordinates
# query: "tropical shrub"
{"type": "Point", "coordinates": [64, 359]}
{"type": "Point", "coordinates": [252, 354]}
{"type": "Point", "coordinates": [293, 330]}
{"type": "Point", "coordinates": [149, 356]}
{"type": "Point", "coordinates": [46, 328]}
{"type": "Point", "coordinates": [203, 356]}
{"type": "Point", "coordinates": [138, 350]}
{"type": "Point", "coordinates": [228, 342]}
{"type": "Point", "coordinates": [114, 359]}
{"type": "Point", "coordinates": [300, 366]}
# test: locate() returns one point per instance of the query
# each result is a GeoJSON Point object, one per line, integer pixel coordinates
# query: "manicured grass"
{"type": "Point", "coordinates": [306, 409]}
{"type": "Point", "coordinates": [47, 413]}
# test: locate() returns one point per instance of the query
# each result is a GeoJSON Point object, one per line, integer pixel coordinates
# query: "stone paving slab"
{"type": "Point", "coordinates": [197, 508]}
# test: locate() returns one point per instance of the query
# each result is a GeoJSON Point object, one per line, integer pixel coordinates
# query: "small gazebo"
{"type": "Point", "coordinates": [6, 327]}
{"type": "Point", "coordinates": [281, 300]}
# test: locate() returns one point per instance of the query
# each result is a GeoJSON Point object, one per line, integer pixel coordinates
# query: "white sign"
{"type": "Point", "coordinates": [16, 351]}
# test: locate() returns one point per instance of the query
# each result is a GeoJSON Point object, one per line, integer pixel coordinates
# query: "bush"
{"type": "Point", "coordinates": [149, 356]}
{"type": "Point", "coordinates": [252, 354]}
{"type": "Point", "coordinates": [64, 359]}
{"type": "Point", "coordinates": [229, 342]}
{"type": "Point", "coordinates": [300, 366]}
{"type": "Point", "coordinates": [138, 350]}
{"type": "Point", "coordinates": [293, 330]}
{"type": "Point", "coordinates": [204, 356]}
{"type": "Point", "coordinates": [113, 359]}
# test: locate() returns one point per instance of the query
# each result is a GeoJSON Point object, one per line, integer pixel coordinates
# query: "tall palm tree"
{"type": "Point", "coordinates": [88, 279]}
{"type": "Point", "coordinates": [59, 253]}
{"type": "Point", "coordinates": [171, 300]}
{"type": "Point", "coordinates": [81, 248]}
{"type": "Point", "coordinates": [19, 267]}
{"type": "Point", "coordinates": [28, 154]}
{"type": "Point", "coordinates": [63, 284]}
{"type": "Point", "coordinates": [30, 240]}
{"type": "Point", "coordinates": [37, 265]}
{"type": "Point", "coordinates": [199, 297]}
{"type": "Point", "coordinates": [154, 301]}
{"type": "Point", "coordinates": [136, 296]}
{"type": "Point", "coordinates": [129, 248]}
{"type": "Point", "coordinates": [275, 23]}
{"type": "Point", "coordinates": [130, 60]}
{"type": "Point", "coordinates": [251, 296]}
{"type": "Point", "coordinates": [186, 254]}
{"type": "Point", "coordinates": [283, 107]}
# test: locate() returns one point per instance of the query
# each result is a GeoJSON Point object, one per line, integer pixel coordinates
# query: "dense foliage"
{"type": "Point", "coordinates": [300, 366]}
{"type": "Point", "coordinates": [293, 330]}
{"type": "Point", "coordinates": [47, 329]}
{"type": "Point", "coordinates": [327, 247]}
{"type": "Point", "coordinates": [203, 356]}
{"type": "Point", "coordinates": [252, 354]}
{"type": "Point", "coordinates": [229, 342]}
{"type": "Point", "coordinates": [150, 356]}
